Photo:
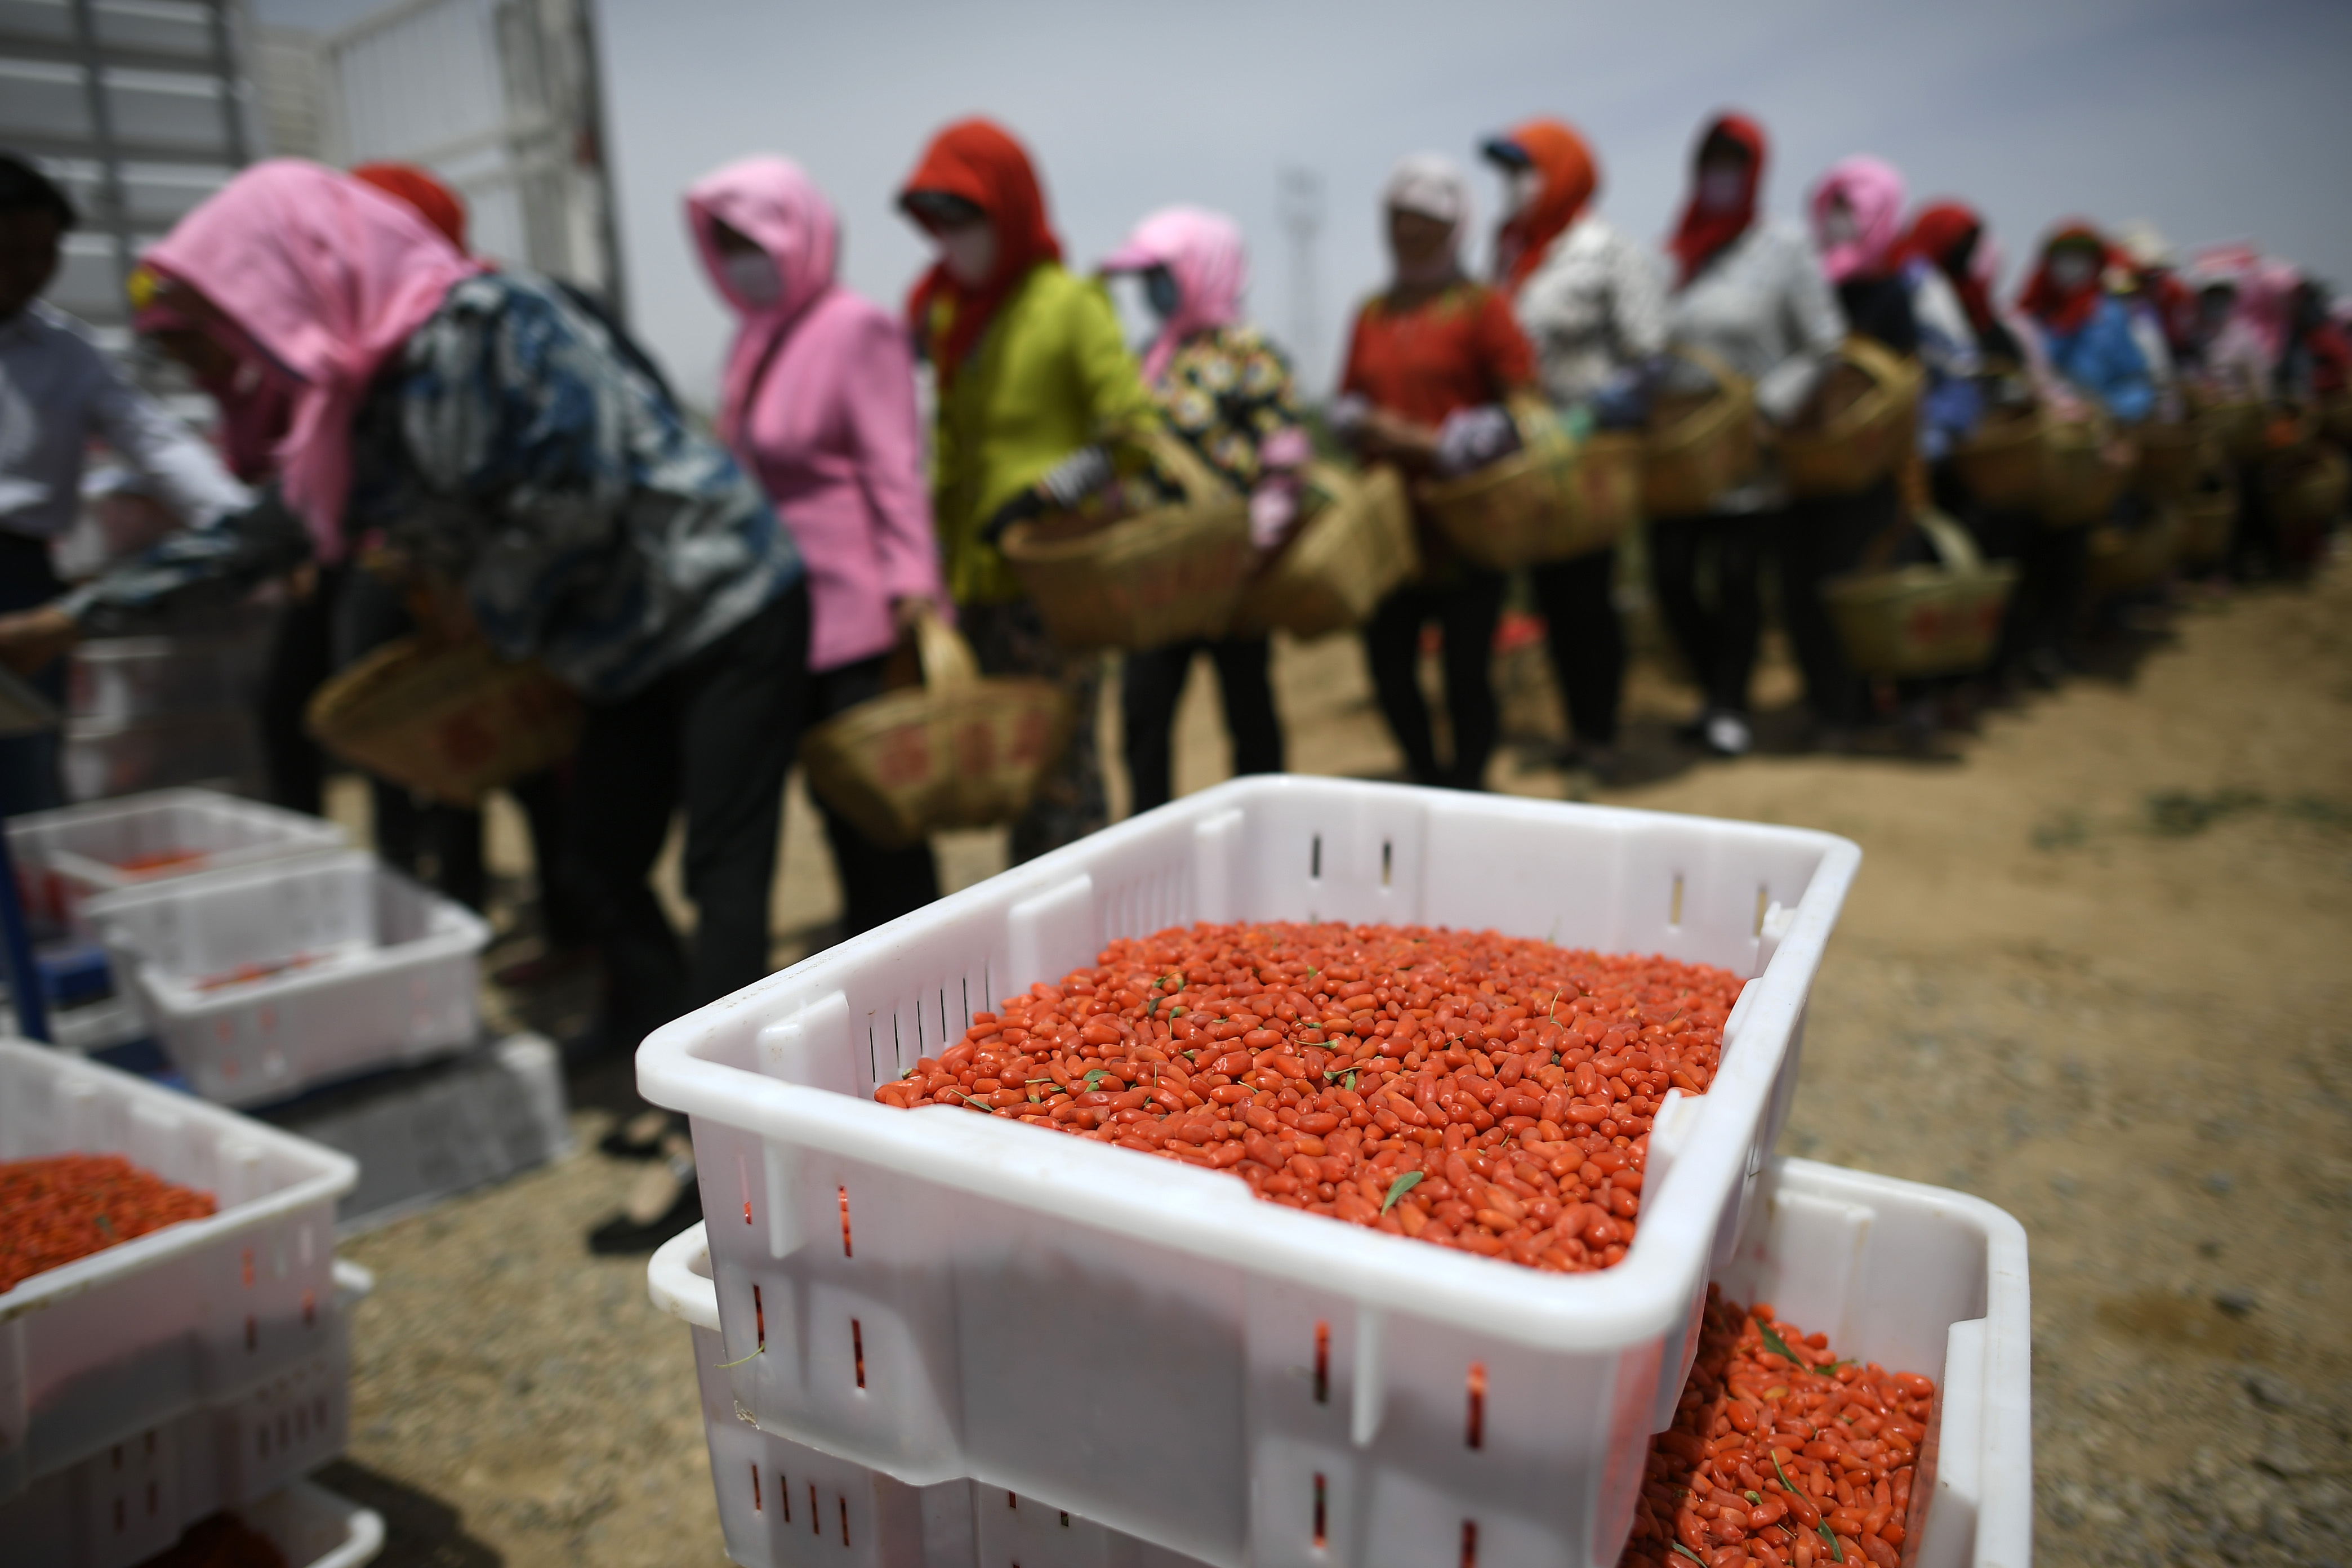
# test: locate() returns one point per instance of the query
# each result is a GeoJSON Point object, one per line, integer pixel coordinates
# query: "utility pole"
{"type": "Point", "coordinates": [1300, 202]}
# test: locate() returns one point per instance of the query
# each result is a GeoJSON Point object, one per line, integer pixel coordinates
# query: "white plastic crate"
{"type": "Point", "coordinates": [129, 680]}
{"type": "Point", "coordinates": [134, 1497]}
{"type": "Point", "coordinates": [1137, 1342]}
{"type": "Point", "coordinates": [217, 751]}
{"type": "Point", "coordinates": [377, 971]}
{"type": "Point", "coordinates": [1917, 1278]}
{"type": "Point", "coordinates": [67, 856]}
{"type": "Point", "coordinates": [196, 1314]}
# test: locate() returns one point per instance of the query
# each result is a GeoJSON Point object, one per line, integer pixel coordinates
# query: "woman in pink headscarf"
{"type": "Point", "coordinates": [1226, 392]}
{"type": "Point", "coordinates": [1857, 210]}
{"type": "Point", "coordinates": [819, 404]}
{"type": "Point", "coordinates": [548, 498]}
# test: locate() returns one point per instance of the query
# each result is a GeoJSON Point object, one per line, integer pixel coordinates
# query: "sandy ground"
{"type": "Point", "coordinates": [2095, 970]}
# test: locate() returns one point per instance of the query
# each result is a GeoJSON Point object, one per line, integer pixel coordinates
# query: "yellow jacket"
{"type": "Point", "coordinates": [1051, 373]}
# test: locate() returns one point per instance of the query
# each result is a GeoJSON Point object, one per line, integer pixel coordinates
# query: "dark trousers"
{"type": "Point", "coordinates": [1821, 536]}
{"type": "Point", "coordinates": [1465, 612]}
{"type": "Point", "coordinates": [714, 738]}
{"type": "Point", "coordinates": [876, 884]}
{"type": "Point", "coordinates": [1588, 644]}
{"type": "Point", "coordinates": [2053, 581]}
{"type": "Point", "coordinates": [2254, 541]}
{"type": "Point", "coordinates": [302, 656]}
{"type": "Point", "coordinates": [1719, 640]}
{"type": "Point", "coordinates": [438, 844]}
{"type": "Point", "coordinates": [1153, 684]}
{"type": "Point", "coordinates": [29, 776]}
{"type": "Point", "coordinates": [1010, 638]}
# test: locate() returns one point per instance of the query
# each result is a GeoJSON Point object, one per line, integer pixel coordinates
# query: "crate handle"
{"type": "Point", "coordinates": [679, 1280]}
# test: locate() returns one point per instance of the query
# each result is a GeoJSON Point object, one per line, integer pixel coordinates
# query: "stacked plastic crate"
{"type": "Point", "coordinates": [199, 1367]}
{"type": "Point", "coordinates": [145, 712]}
{"type": "Point", "coordinates": [950, 1339]}
{"type": "Point", "coordinates": [262, 957]}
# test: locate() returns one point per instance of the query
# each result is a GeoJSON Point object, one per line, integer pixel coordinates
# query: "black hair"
{"type": "Point", "coordinates": [23, 188]}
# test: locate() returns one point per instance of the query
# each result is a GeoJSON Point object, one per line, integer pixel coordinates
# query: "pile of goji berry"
{"type": "Point", "coordinates": [1781, 1453]}
{"type": "Point", "coordinates": [54, 1210]}
{"type": "Point", "coordinates": [1461, 1088]}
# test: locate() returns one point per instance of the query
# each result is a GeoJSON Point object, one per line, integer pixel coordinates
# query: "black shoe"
{"type": "Point", "coordinates": [622, 1237]}
{"type": "Point", "coordinates": [639, 1137]}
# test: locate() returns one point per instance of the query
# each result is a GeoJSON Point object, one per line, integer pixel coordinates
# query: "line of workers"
{"type": "Point", "coordinates": [397, 411]}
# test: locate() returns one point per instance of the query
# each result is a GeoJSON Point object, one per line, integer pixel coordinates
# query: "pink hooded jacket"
{"type": "Point", "coordinates": [818, 402]}
{"type": "Point", "coordinates": [326, 278]}
{"type": "Point", "coordinates": [1874, 195]}
{"type": "Point", "coordinates": [1202, 251]}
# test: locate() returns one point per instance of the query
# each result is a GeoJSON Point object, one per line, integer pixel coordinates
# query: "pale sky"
{"type": "Point", "coordinates": [2218, 120]}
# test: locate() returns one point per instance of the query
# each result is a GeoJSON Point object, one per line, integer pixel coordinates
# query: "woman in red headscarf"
{"type": "Point", "coordinates": [1593, 303]}
{"type": "Point", "coordinates": [1752, 295]}
{"type": "Point", "coordinates": [1035, 386]}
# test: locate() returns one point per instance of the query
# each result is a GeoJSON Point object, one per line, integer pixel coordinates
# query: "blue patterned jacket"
{"type": "Point", "coordinates": [512, 447]}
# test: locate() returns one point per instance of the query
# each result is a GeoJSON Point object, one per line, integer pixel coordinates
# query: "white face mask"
{"type": "Point", "coordinates": [1838, 228]}
{"type": "Point", "coordinates": [1721, 190]}
{"type": "Point", "coordinates": [1521, 191]}
{"type": "Point", "coordinates": [2072, 270]}
{"type": "Point", "coordinates": [751, 276]}
{"type": "Point", "coordinates": [969, 253]}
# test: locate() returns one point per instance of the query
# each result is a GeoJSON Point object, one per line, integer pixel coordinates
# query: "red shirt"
{"type": "Point", "coordinates": [1462, 349]}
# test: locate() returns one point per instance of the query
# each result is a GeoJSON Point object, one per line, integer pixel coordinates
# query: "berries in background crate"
{"type": "Point", "coordinates": [1782, 1452]}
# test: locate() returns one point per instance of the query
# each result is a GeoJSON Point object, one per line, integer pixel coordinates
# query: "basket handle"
{"type": "Point", "coordinates": [1176, 458]}
{"type": "Point", "coordinates": [1727, 380]}
{"type": "Point", "coordinates": [945, 657]}
{"type": "Point", "coordinates": [1953, 545]}
{"type": "Point", "coordinates": [1538, 423]}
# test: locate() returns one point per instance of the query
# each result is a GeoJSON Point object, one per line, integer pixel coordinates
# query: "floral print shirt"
{"type": "Point", "coordinates": [1227, 391]}
{"type": "Point", "coordinates": [512, 446]}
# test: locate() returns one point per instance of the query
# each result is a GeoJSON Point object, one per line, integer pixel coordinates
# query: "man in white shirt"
{"type": "Point", "coordinates": [58, 392]}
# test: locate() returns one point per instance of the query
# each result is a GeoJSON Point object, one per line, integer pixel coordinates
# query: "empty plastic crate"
{"type": "Point", "coordinates": [101, 761]}
{"type": "Point", "coordinates": [943, 1297]}
{"type": "Point", "coordinates": [260, 982]}
{"type": "Point", "coordinates": [129, 680]}
{"type": "Point", "coordinates": [1917, 1278]}
{"type": "Point", "coordinates": [67, 856]}
{"type": "Point", "coordinates": [198, 1314]}
{"type": "Point", "coordinates": [133, 1497]}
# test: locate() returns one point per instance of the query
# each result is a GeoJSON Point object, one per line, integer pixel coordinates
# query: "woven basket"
{"type": "Point", "coordinates": [1862, 424]}
{"type": "Point", "coordinates": [1355, 546]}
{"type": "Point", "coordinates": [1702, 445]}
{"type": "Point", "coordinates": [2307, 491]}
{"type": "Point", "coordinates": [1540, 503]}
{"type": "Point", "coordinates": [2127, 559]}
{"type": "Point", "coordinates": [2236, 427]}
{"type": "Point", "coordinates": [2001, 462]}
{"type": "Point", "coordinates": [2174, 456]}
{"type": "Point", "coordinates": [1923, 619]}
{"type": "Point", "coordinates": [2335, 419]}
{"type": "Point", "coordinates": [2080, 484]}
{"type": "Point", "coordinates": [963, 749]}
{"type": "Point", "coordinates": [449, 720]}
{"type": "Point", "coordinates": [1161, 576]}
{"type": "Point", "coordinates": [2208, 518]}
